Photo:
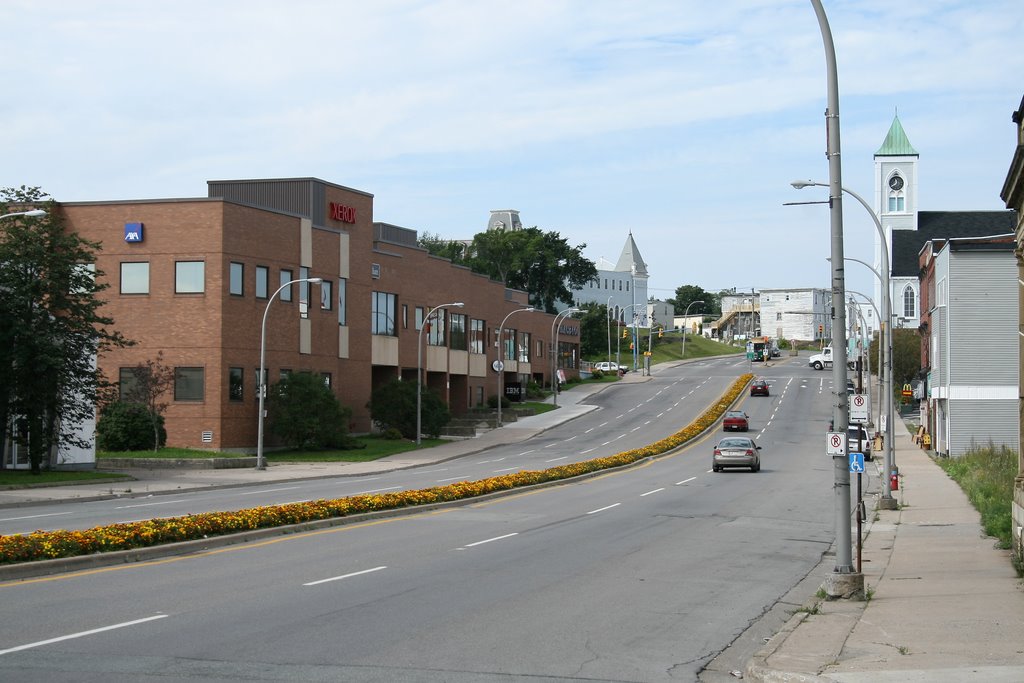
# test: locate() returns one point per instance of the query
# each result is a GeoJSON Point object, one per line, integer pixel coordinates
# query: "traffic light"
{"type": "Point", "coordinates": [630, 346]}
{"type": "Point", "coordinates": [661, 332]}
{"type": "Point", "coordinates": [625, 333]}
{"type": "Point", "coordinates": [821, 329]}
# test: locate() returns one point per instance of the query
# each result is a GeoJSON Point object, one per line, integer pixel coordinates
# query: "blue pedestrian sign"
{"type": "Point", "coordinates": [856, 462]}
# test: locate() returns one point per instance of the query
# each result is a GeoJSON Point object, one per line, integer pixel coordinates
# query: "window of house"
{"type": "Point", "coordinates": [540, 350]}
{"type": "Point", "coordinates": [897, 201]}
{"type": "Point", "coordinates": [419, 318]}
{"type": "Point", "coordinates": [477, 336]}
{"type": "Point", "coordinates": [327, 379]}
{"type": "Point", "coordinates": [284, 278]}
{"type": "Point", "coordinates": [128, 383]}
{"type": "Point", "coordinates": [627, 286]}
{"type": "Point", "coordinates": [436, 328]}
{"type": "Point", "coordinates": [909, 302]}
{"type": "Point", "coordinates": [382, 313]}
{"type": "Point", "coordinates": [523, 347]}
{"type": "Point", "coordinates": [135, 278]}
{"type": "Point", "coordinates": [236, 278]}
{"type": "Point", "coordinates": [236, 388]}
{"type": "Point", "coordinates": [405, 316]}
{"type": "Point", "coordinates": [262, 282]}
{"type": "Point", "coordinates": [457, 335]}
{"type": "Point", "coordinates": [508, 344]}
{"type": "Point", "coordinates": [188, 384]}
{"type": "Point", "coordinates": [778, 316]}
{"type": "Point", "coordinates": [189, 277]}
{"type": "Point", "coordinates": [342, 301]}
{"type": "Point", "coordinates": [326, 295]}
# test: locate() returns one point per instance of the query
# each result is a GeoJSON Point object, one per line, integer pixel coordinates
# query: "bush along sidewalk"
{"type": "Point", "coordinates": [47, 545]}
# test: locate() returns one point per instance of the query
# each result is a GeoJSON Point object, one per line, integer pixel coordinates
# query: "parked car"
{"type": "Point", "coordinates": [735, 421]}
{"type": "Point", "coordinates": [736, 451]}
{"type": "Point", "coordinates": [759, 388]}
{"type": "Point", "coordinates": [857, 441]}
{"type": "Point", "coordinates": [605, 366]}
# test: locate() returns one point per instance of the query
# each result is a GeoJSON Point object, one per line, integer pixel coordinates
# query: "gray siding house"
{"type": "Point", "coordinates": [972, 347]}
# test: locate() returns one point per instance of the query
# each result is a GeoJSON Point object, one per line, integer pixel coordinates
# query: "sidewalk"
{"type": "Point", "coordinates": [148, 482]}
{"type": "Point", "coordinates": [945, 605]}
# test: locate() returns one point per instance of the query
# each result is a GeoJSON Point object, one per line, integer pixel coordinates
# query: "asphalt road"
{"type": "Point", "coordinates": [638, 575]}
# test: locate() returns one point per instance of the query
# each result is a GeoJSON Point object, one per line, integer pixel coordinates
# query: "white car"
{"type": "Point", "coordinates": [605, 366]}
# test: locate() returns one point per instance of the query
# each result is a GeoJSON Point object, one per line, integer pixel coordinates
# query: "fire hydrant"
{"type": "Point", "coordinates": [894, 480]}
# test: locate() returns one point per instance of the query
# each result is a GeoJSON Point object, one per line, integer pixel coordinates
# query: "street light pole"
{"type": "Point", "coordinates": [261, 462]}
{"type": "Point", "coordinates": [501, 356]}
{"type": "Point", "coordinates": [844, 580]}
{"type": "Point", "coordinates": [685, 314]}
{"type": "Point", "coordinates": [554, 350]}
{"type": "Point", "coordinates": [419, 364]}
{"type": "Point", "coordinates": [618, 355]}
{"type": "Point", "coordinates": [886, 502]}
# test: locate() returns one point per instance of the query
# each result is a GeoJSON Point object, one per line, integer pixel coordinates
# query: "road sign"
{"type": "Point", "coordinates": [858, 408]}
{"type": "Point", "coordinates": [856, 462]}
{"type": "Point", "coordinates": [835, 444]}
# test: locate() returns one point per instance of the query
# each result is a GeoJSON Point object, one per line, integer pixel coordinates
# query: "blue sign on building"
{"type": "Point", "coordinates": [133, 232]}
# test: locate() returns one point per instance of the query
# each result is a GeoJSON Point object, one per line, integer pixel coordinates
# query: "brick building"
{"type": "Point", "coordinates": [194, 278]}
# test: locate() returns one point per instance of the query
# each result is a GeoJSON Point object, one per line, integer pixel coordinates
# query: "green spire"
{"type": "Point", "coordinates": [896, 143]}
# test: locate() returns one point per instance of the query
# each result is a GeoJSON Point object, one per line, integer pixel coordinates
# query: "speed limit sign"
{"type": "Point", "coordinates": [835, 444]}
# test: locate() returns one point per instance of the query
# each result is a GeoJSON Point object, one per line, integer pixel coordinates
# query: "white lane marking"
{"type": "Point", "coordinates": [636, 428]}
{"type": "Point", "coordinates": [440, 469]}
{"type": "Point", "coordinates": [528, 452]}
{"type": "Point", "coordinates": [49, 514]}
{"type": "Point", "coordinates": [293, 502]}
{"type": "Point", "coordinates": [647, 423]}
{"type": "Point", "coordinates": [685, 481]}
{"type": "Point", "coordinates": [589, 430]}
{"type": "Point", "coordinates": [450, 479]}
{"type": "Point", "coordinates": [81, 634]}
{"type": "Point", "coordinates": [606, 507]}
{"type": "Point", "coordinates": [564, 457]}
{"type": "Point", "coordinates": [344, 576]}
{"type": "Point", "coordinates": [283, 488]}
{"type": "Point", "coordinates": [589, 450]}
{"type": "Point", "coordinates": [146, 505]}
{"type": "Point", "coordinates": [650, 492]}
{"type": "Point", "coordinates": [572, 437]}
{"type": "Point", "coordinates": [489, 540]}
{"type": "Point", "coordinates": [363, 493]}
{"type": "Point", "coordinates": [507, 469]}
{"type": "Point", "coordinates": [604, 423]}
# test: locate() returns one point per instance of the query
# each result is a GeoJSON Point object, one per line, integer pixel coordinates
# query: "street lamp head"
{"type": "Point", "coordinates": [315, 280]}
{"type": "Point", "coordinates": [457, 304]}
{"type": "Point", "coordinates": [801, 184]}
{"type": "Point", "coordinates": [31, 213]}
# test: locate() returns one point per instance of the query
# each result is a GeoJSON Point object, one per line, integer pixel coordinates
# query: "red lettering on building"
{"type": "Point", "coordinates": [340, 212]}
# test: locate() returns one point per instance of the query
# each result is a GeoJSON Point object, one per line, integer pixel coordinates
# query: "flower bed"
{"type": "Point", "coordinates": [45, 545]}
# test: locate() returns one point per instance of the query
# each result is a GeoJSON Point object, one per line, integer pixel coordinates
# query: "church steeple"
{"type": "Point", "coordinates": [630, 260]}
{"type": "Point", "coordinates": [896, 144]}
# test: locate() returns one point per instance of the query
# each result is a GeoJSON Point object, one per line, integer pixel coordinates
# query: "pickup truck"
{"type": "Point", "coordinates": [824, 360]}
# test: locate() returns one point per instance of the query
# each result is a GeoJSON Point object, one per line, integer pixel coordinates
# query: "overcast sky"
{"type": "Point", "coordinates": [683, 121]}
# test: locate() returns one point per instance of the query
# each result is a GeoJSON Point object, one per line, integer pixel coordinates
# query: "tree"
{"type": "Point", "coordinates": [906, 356]}
{"type": "Point", "coordinates": [594, 331]}
{"type": "Point", "coordinates": [305, 413]}
{"type": "Point", "coordinates": [543, 264]}
{"type": "Point", "coordinates": [687, 294]}
{"type": "Point", "coordinates": [453, 250]}
{"type": "Point", "coordinates": [149, 381]}
{"type": "Point", "coordinates": [127, 426]}
{"type": "Point", "coordinates": [393, 406]}
{"type": "Point", "coordinates": [51, 329]}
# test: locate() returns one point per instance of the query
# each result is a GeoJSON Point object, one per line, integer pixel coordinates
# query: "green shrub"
{"type": "Point", "coordinates": [597, 374]}
{"type": "Point", "coordinates": [533, 390]}
{"type": "Point", "coordinates": [305, 413]}
{"type": "Point", "coordinates": [125, 426]}
{"type": "Point", "coordinates": [392, 434]}
{"type": "Point", "coordinates": [393, 406]}
{"type": "Point", "coordinates": [492, 402]}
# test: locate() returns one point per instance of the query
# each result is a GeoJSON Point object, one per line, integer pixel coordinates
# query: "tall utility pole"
{"type": "Point", "coordinates": [844, 581]}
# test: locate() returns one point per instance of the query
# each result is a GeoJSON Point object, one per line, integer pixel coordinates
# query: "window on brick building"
{"type": "Point", "coordinates": [286, 277]}
{"type": "Point", "coordinates": [262, 282]}
{"type": "Point", "coordinates": [237, 279]}
{"type": "Point", "coordinates": [188, 384]}
{"type": "Point", "coordinates": [189, 277]}
{"type": "Point", "coordinates": [236, 388]}
{"type": "Point", "coordinates": [135, 278]}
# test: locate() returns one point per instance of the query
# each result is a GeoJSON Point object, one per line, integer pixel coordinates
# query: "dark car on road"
{"type": "Point", "coordinates": [759, 388]}
{"type": "Point", "coordinates": [736, 451]}
{"type": "Point", "coordinates": [735, 421]}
